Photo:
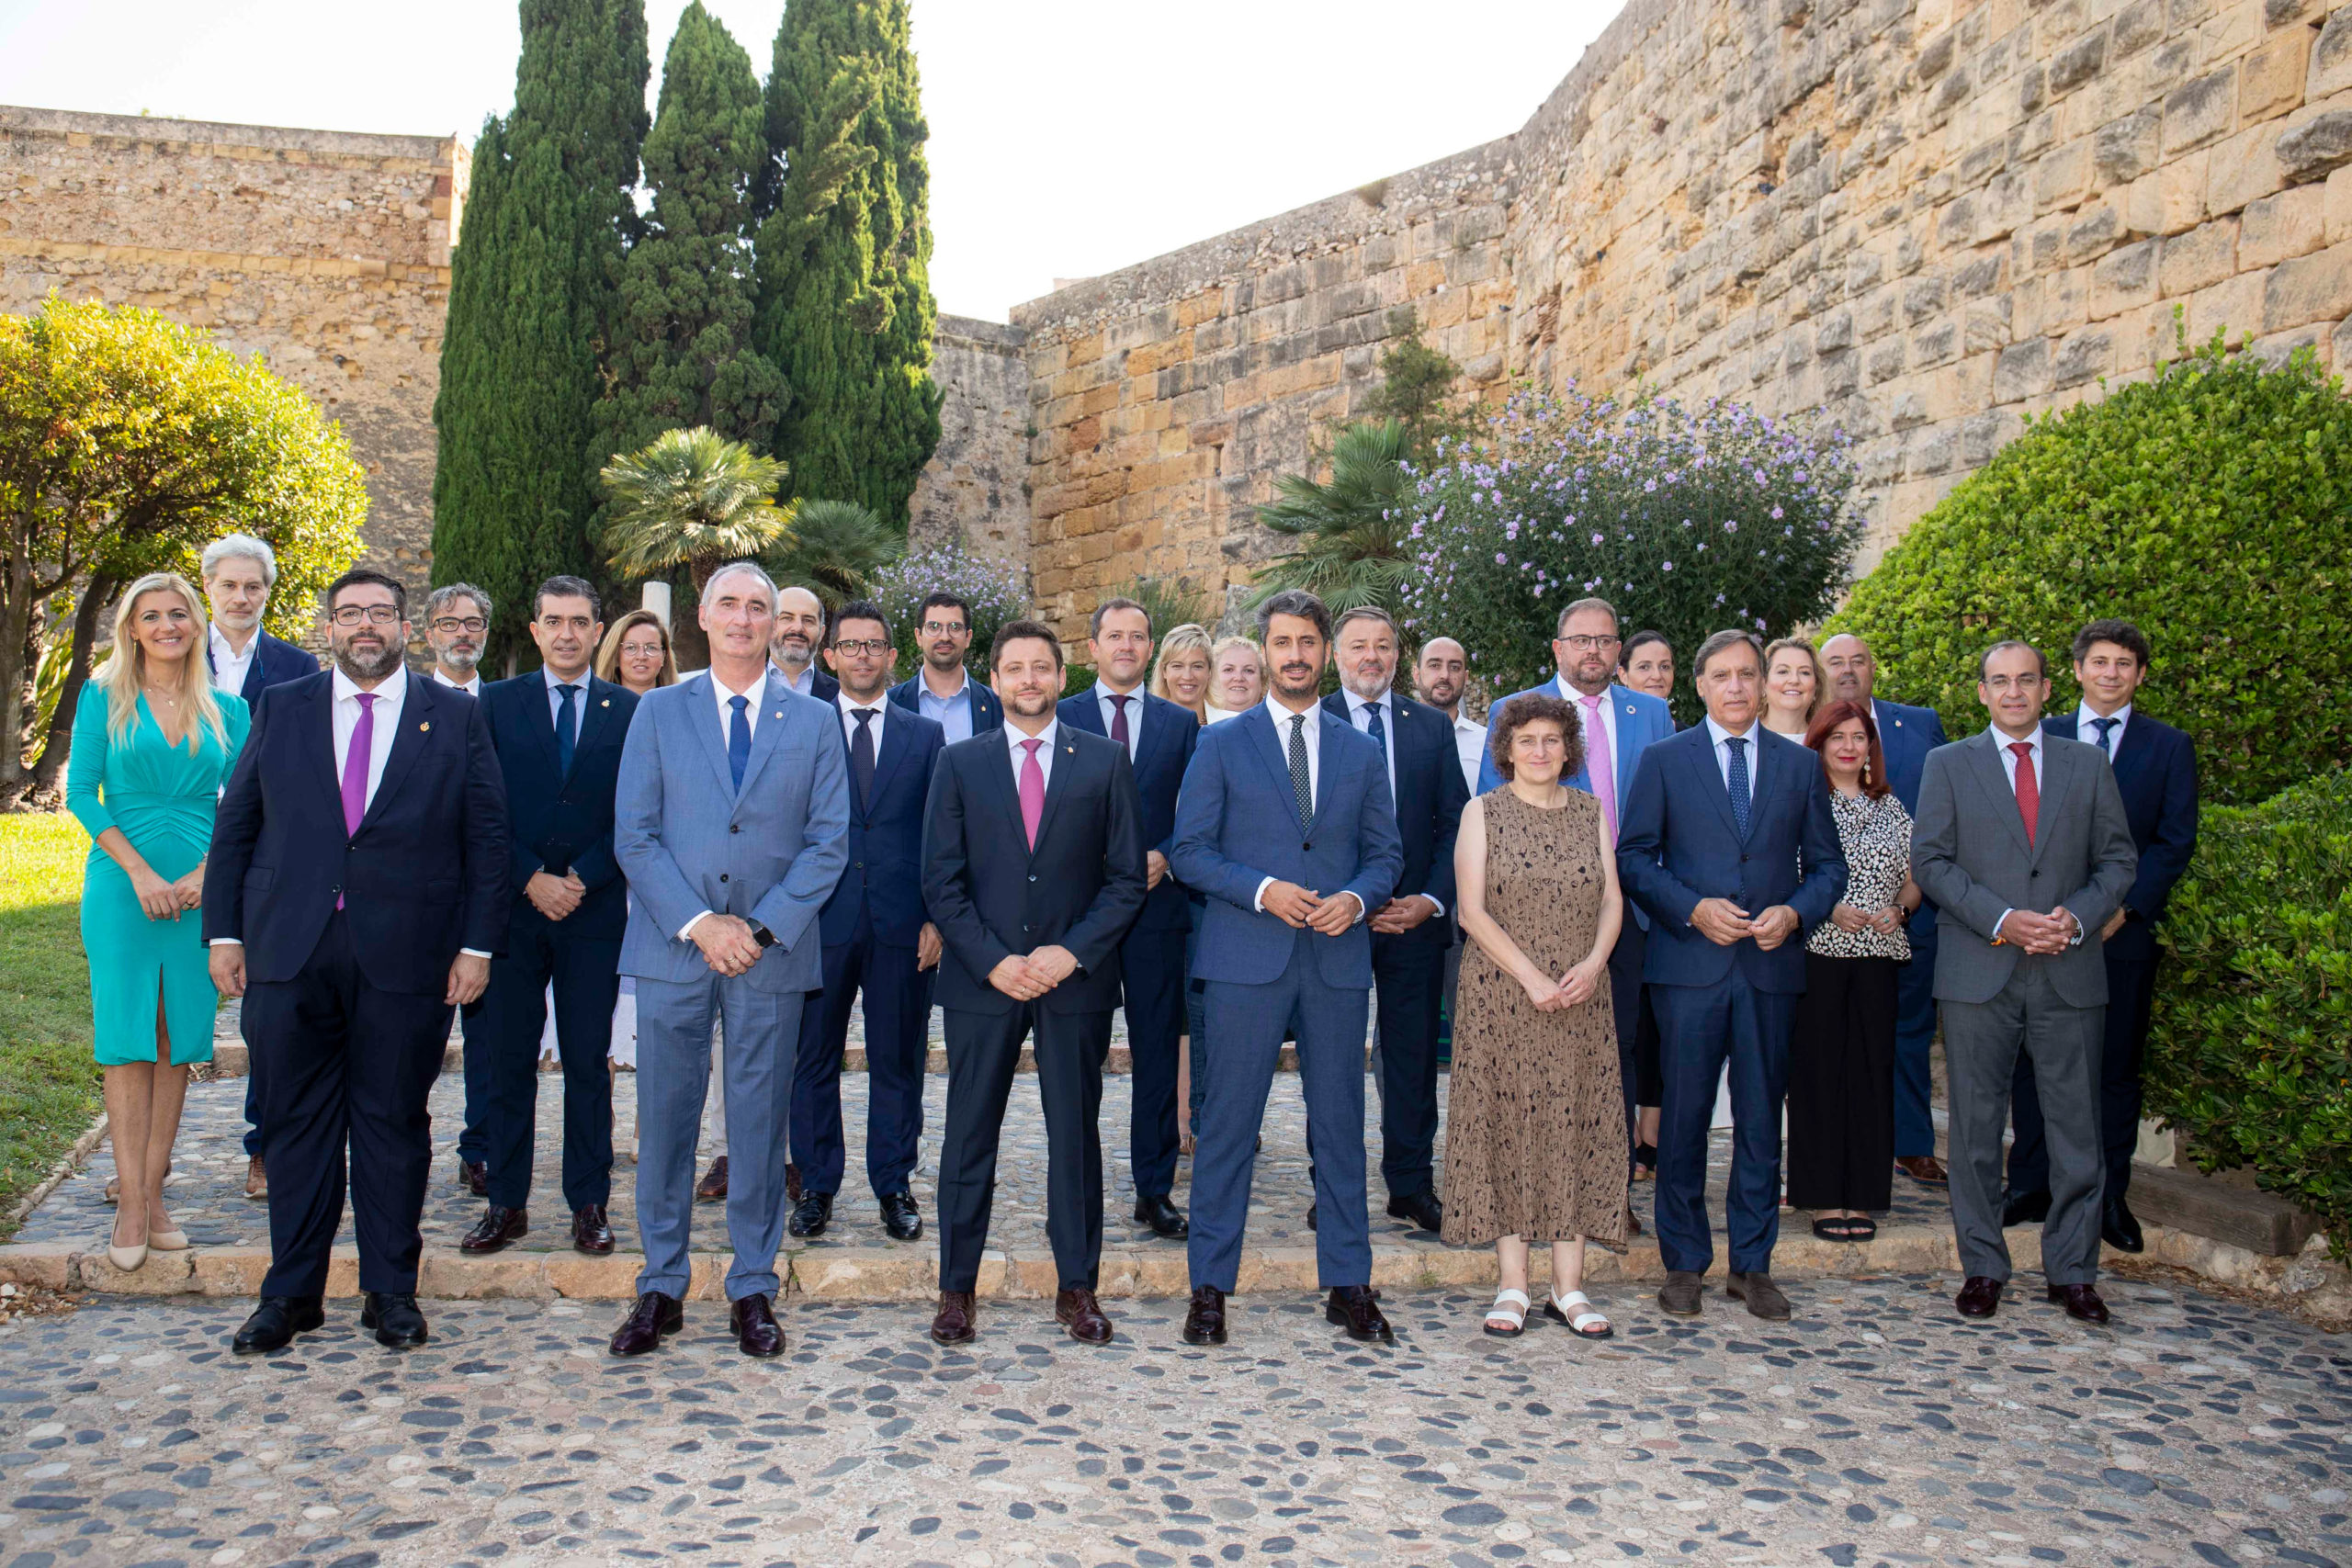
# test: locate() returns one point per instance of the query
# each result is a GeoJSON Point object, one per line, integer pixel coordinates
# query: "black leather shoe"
{"type": "Point", "coordinates": [1979, 1297]}
{"type": "Point", "coordinates": [2025, 1208]}
{"type": "Point", "coordinates": [1356, 1308]}
{"type": "Point", "coordinates": [274, 1322]}
{"type": "Point", "coordinates": [953, 1324]}
{"type": "Point", "coordinates": [1166, 1220]}
{"type": "Point", "coordinates": [592, 1232]}
{"type": "Point", "coordinates": [2081, 1301]}
{"type": "Point", "coordinates": [394, 1316]}
{"type": "Point", "coordinates": [494, 1230]}
{"type": "Point", "coordinates": [812, 1214]}
{"type": "Point", "coordinates": [757, 1333]}
{"type": "Point", "coordinates": [473, 1175]}
{"type": "Point", "coordinates": [899, 1216]}
{"type": "Point", "coordinates": [654, 1317]}
{"type": "Point", "coordinates": [1422, 1208]}
{"type": "Point", "coordinates": [2119, 1229]}
{"type": "Point", "coordinates": [1205, 1318]}
{"type": "Point", "coordinates": [1310, 1216]}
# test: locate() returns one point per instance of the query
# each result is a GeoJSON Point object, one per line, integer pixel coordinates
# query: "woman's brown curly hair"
{"type": "Point", "coordinates": [1509, 716]}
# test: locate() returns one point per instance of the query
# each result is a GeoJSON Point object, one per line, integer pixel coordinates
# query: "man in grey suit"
{"type": "Point", "coordinates": [731, 823]}
{"type": "Point", "coordinates": [2022, 844]}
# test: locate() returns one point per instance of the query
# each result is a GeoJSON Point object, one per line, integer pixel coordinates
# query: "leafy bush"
{"type": "Point", "coordinates": [1687, 521]}
{"type": "Point", "coordinates": [2251, 1049]}
{"type": "Point", "coordinates": [998, 592]}
{"type": "Point", "coordinates": [2208, 505]}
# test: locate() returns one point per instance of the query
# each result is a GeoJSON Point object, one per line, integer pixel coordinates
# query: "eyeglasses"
{"type": "Point", "coordinates": [641, 649]}
{"type": "Point", "coordinates": [863, 646]}
{"type": "Point", "coordinates": [451, 624]}
{"type": "Point", "coordinates": [945, 628]}
{"type": "Point", "coordinates": [1582, 644]}
{"type": "Point", "coordinates": [2013, 682]}
{"type": "Point", "coordinates": [374, 615]}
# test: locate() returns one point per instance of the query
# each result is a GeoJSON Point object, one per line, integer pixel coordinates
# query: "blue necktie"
{"type": "Point", "coordinates": [738, 739]}
{"type": "Point", "coordinates": [567, 730]}
{"type": "Point", "coordinates": [1738, 745]}
{"type": "Point", "coordinates": [1374, 728]}
{"type": "Point", "coordinates": [2103, 725]}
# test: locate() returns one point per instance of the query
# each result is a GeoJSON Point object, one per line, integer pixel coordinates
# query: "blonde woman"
{"type": "Point", "coordinates": [153, 742]}
{"type": "Point", "coordinates": [1237, 678]}
{"type": "Point", "coordinates": [1181, 675]}
{"type": "Point", "coordinates": [636, 653]}
{"type": "Point", "coordinates": [1793, 682]}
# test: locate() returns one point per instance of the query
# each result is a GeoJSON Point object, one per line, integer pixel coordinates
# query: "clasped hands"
{"type": "Point", "coordinates": [1572, 989]}
{"type": "Point", "coordinates": [1295, 907]}
{"type": "Point", "coordinates": [2044, 934]}
{"type": "Point", "coordinates": [161, 900]}
{"type": "Point", "coordinates": [1885, 922]}
{"type": "Point", "coordinates": [555, 897]}
{"type": "Point", "coordinates": [1723, 923]}
{"type": "Point", "coordinates": [727, 943]}
{"type": "Point", "coordinates": [1026, 977]}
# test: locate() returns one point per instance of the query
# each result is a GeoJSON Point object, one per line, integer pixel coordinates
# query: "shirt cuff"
{"type": "Point", "coordinates": [1999, 924]}
{"type": "Point", "coordinates": [1435, 903]}
{"type": "Point", "coordinates": [1259, 903]}
{"type": "Point", "coordinates": [1344, 893]}
{"type": "Point", "coordinates": [686, 932]}
{"type": "Point", "coordinates": [227, 942]}
{"type": "Point", "coordinates": [473, 952]}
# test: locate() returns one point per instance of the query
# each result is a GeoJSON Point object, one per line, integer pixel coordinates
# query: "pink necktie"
{"type": "Point", "coordinates": [1033, 790]}
{"type": "Point", "coordinates": [1598, 765]}
{"type": "Point", "coordinates": [354, 770]}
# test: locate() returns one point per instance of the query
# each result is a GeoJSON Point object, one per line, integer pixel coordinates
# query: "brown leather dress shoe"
{"type": "Point", "coordinates": [2081, 1302]}
{"type": "Point", "coordinates": [1763, 1298]}
{"type": "Point", "coordinates": [1680, 1294]}
{"type": "Point", "coordinates": [757, 1333]}
{"type": "Point", "coordinates": [1356, 1308]}
{"type": "Point", "coordinates": [1925, 1169]}
{"type": "Point", "coordinates": [713, 1185]}
{"type": "Point", "coordinates": [1080, 1312]}
{"type": "Point", "coordinates": [1204, 1319]}
{"type": "Point", "coordinates": [497, 1227]}
{"type": "Point", "coordinates": [473, 1175]}
{"type": "Point", "coordinates": [1979, 1297]}
{"type": "Point", "coordinates": [953, 1326]}
{"type": "Point", "coordinates": [591, 1232]}
{"type": "Point", "coordinates": [256, 1179]}
{"type": "Point", "coordinates": [791, 1181]}
{"type": "Point", "coordinates": [653, 1319]}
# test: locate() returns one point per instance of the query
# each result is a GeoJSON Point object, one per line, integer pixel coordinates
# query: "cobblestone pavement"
{"type": "Point", "coordinates": [1874, 1428]}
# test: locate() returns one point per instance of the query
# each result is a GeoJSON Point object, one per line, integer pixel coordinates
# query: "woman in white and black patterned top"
{"type": "Point", "coordinates": [1841, 1057]}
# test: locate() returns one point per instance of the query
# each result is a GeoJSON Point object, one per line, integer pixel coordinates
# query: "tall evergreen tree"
{"type": "Point", "coordinates": [533, 294]}
{"type": "Point", "coordinates": [682, 354]}
{"type": "Point", "coordinates": [845, 310]}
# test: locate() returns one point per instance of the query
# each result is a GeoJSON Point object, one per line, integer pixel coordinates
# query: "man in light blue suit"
{"type": "Point", "coordinates": [1284, 823]}
{"type": "Point", "coordinates": [1619, 723]}
{"type": "Point", "coordinates": [732, 825]}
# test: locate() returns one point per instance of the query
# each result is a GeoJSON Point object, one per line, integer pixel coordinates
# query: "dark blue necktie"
{"type": "Point", "coordinates": [1738, 744]}
{"type": "Point", "coordinates": [1374, 728]}
{"type": "Point", "coordinates": [861, 756]}
{"type": "Point", "coordinates": [738, 739]}
{"type": "Point", "coordinates": [567, 730]}
{"type": "Point", "coordinates": [2103, 725]}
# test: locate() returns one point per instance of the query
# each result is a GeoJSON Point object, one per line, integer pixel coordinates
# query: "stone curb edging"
{"type": "Point", "coordinates": [67, 1164]}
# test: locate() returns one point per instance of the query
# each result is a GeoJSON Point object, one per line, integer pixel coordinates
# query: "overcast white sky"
{"type": "Point", "coordinates": [1067, 136]}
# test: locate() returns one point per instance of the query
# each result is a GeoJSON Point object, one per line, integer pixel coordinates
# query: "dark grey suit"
{"type": "Point", "coordinates": [1970, 856]}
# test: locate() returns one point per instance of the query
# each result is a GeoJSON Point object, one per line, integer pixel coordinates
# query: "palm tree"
{"type": "Point", "coordinates": [834, 548]}
{"type": "Point", "coordinates": [692, 498]}
{"type": "Point", "coordinates": [1352, 531]}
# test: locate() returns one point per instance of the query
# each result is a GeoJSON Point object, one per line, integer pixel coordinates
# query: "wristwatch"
{"type": "Point", "coordinates": [762, 936]}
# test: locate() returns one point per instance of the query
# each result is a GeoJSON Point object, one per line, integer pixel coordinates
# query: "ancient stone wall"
{"type": "Point", "coordinates": [975, 486]}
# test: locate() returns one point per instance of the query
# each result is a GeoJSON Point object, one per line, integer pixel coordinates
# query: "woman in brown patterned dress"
{"type": "Point", "coordinates": [1535, 1124]}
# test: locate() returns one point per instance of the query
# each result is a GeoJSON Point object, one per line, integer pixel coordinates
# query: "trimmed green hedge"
{"type": "Point", "coordinates": [2212, 504]}
{"type": "Point", "coordinates": [2251, 1052]}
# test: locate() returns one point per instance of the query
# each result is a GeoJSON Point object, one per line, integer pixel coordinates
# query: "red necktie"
{"type": "Point", "coordinates": [1033, 790]}
{"type": "Point", "coordinates": [2029, 787]}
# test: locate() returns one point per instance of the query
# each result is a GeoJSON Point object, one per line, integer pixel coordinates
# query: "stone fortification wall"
{"type": "Point", "coordinates": [328, 253]}
{"type": "Point", "coordinates": [975, 486]}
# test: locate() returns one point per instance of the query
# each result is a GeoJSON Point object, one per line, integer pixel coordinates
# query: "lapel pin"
{"type": "Point", "coordinates": [425, 727]}
{"type": "Point", "coordinates": [606, 703]}
{"type": "Point", "coordinates": [779, 713]}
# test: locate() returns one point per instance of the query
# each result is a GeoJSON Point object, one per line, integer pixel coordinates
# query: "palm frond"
{"type": "Point", "coordinates": [1352, 530]}
{"type": "Point", "coordinates": [835, 548]}
{"type": "Point", "coordinates": [692, 498]}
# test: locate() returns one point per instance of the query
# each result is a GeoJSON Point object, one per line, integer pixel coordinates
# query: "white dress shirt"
{"type": "Point", "coordinates": [2010, 761]}
{"type": "Point", "coordinates": [228, 666]}
{"type": "Point", "coordinates": [1312, 731]}
{"type": "Point", "coordinates": [879, 707]}
{"type": "Point", "coordinates": [579, 684]}
{"type": "Point", "coordinates": [722, 693]}
{"type": "Point", "coordinates": [1606, 707]}
{"type": "Point", "coordinates": [1218, 716]}
{"type": "Point", "coordinates": [1717, 735]}
{"type": "Point", "coordinates": [1013, 739]}
{"type": "Point", "coordinates": [2086, 731]}
{"type": "Point", "coordinates": [1470, 745]}
{"type": "Point", "coordinates": [1103, 695]}
{"type": "Point", "coordinates": [470, 685]}
{"type": "Point", "coordinates": [1360, 714]}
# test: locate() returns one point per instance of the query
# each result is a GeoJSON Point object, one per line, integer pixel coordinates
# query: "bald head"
{"type": "Point", "coordinates": [1440, 673]}
{"type": "Point", "coordinates": [1846, 660]}
{"type": "Point", "coordinates": [799, 630]}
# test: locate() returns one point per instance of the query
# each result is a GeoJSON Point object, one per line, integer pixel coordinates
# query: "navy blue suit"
{"type": "Point", "coordinates": [1678, 844]}
{"type": "Point", "coordinates": [1151, 957]}
{"type": "Point", "coordinates": [2155, 771]}
{"type": "Point", "coordinates": [1408, 968]}
{"type": "Point", "coordinates": [1237, 825]}
{"type": "Point", "coordinates": [561, 823]}
{"type": "Point", "coordinates": [869, 928]}
{"type": "Point", "coordinates": [987, 711]}
{"type": "Point", "coordinates": [344, 1006]}
{"type": "Point", "coordinates": [1905, 735]}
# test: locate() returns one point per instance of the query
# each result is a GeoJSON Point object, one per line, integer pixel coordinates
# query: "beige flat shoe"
{"type": "Point", "coordinates": [167, 1241]}
{"type": "Point", "coordinates": [127, 1258]}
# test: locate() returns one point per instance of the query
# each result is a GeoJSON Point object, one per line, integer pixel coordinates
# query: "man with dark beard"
{"type": "Point", "coordinates": [354, 894]}
{"type": "Point", "coordinates": [799, 632]}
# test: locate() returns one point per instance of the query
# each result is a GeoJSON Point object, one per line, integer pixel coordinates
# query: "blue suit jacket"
{"type": "Point", "coordinates": [987, 711]}
{"type": "Point", "coordinates": [1676, 844]}
{"type": "Point", "coordinates": [689, 841]}
{"type": "Point", "coordinates": [1163, 752]}
{"type": "Point", "coordinates": [1237, 824]}
{"type": "Point", "coordinates": [1429, 797]}
{"type": "Point", "coordinates": [425, 874]}
{"type": "Point", "coordinates": [2156, 769]}
{"type": "Point", "coordinates": [1905, 735]}
{"type": "Point", "coordinates": [885, 871]}
{"type": "Point", "coordinates": [562, 823]}
{"type": "Point", "coordinates": [275, 662]}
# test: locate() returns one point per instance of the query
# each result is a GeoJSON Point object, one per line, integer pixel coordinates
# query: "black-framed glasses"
{"type": "Point", "coordinates": [875, 645]}
{"type": "Point", "coordinates": [374, 615]}
{"type": "Point", "coordinates": [1583, 644]}
{"type": "Point", "coordinates": [470, 624]}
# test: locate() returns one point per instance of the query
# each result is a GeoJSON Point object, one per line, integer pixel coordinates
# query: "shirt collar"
{"type": "Point", "coordinates": [923, 684]}
{"type": "Point", "coordinates": [756, 691]}
{"type": "Point", "coordinates": [1013, 737]}
{"type": "Point", "coordinates": [219, 640]}
{"type": "Point", "coordinates": [1102, 693]}
{"type": "Point", "coordinates": [2033, 739]}
{"type": "Point", "coordinates": [848, 705]}
{"type": "Point", "coordinates": [2085, 717]}
{"type": "Point", "coordinates": [1569, 693]}
{"type": "Point", "coordinates": [553, 679]}
{"type": "Point", "coordinates": [468, 685]}
{"type": "Point", "coordinates": [394, 690]}
{"type": "Point", "coordinates": [1717, 734]}
{"type": "Point", "coordinates": [1356, 704]}
{"type": "Point", "coordinates": [1280, 715]}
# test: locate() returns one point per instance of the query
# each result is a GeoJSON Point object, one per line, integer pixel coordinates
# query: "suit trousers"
{"type": "Point", "coordinates": [511, 1023]}
{"type": "Point", "coordinates": [1915, 1039]}
{"type": "Point", "coordinates": [983, 1052]}
{"type": "Point", "coordinates": [1625, 1003]}
{"type": "Point", "coordinates": [1981, 1043]}
{"type": "Point", "coordinates": [1246, 1025]}
{"type": "Point", "coordinates": [2131, 993]}
{"type": "Point", "coordinates": [473, 1136]}
{"type": "Point", "coordinates": [1153, 976]}
{"type": "Point", "coordinates": [345, 1071]}
{"type": "Point", "coordinates": [1408, 989]}
{"type": "Point", "coordinates": [896, 1036]}
{"type": "Point", "coordinates": [674, 1067]}
{"type": "Point", "coordinates": [252, 1108]}
{"type": "Point", "coordinates": [1841, 1075]}
{"type": "Point", "coordinates": [1701, 1028]}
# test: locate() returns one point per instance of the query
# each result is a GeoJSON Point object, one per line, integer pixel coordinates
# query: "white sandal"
{"type": "Point", "coordinates": [1575, 1310]}
{"type": "Point", "coordinates": [1504, 1311]}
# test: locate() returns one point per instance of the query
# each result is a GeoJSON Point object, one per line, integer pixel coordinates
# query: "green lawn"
{"type": "Point", "coordinates": [48, 1082]}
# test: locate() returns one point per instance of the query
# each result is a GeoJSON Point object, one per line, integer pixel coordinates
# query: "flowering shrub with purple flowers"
{"type": "Point", "coordinates": [1689, 521]}
{"type": "Point", "coordinates": [997, 591]}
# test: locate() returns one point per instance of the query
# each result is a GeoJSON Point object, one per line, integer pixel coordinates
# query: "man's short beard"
{"type": "Point", "coordinates": [954, 661]}
{"type": "Point", "coordinates": [348, 660]}
{"type": "Point", "coordinates": [799, 657]}
{"type": "Point", "coordinates": [236, 622]}
{"type": "Point", "coordinates": [462, 660]}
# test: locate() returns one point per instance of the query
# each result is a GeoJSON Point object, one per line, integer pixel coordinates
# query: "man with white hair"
{"type": "Point", "coordinates": [238, 570]}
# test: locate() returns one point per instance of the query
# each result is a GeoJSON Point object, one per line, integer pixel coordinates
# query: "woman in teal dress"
{"type": "Point", "coordinates": [152, 744]}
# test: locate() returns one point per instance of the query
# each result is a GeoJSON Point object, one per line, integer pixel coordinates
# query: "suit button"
{"type": "Point", "coordinates": [1033, 877]}
{"type": "Point", "coordinates": [2036, 873]}
{"type": "Point", "coordinates": [733, 827]}
{"type": "Point", "coordinates": [1306, 846]}
{"type": "Point", "coordinates": [336, 890]}
{"type": "Point", "coordinates": [722, 876]}
{"type": "Point", "coordinates": [860, 865]}
{"type": "Point", "coordinates": [1742, 860]}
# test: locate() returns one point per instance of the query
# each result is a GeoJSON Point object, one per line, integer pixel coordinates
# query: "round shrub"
{"type": "Point", "coordinates": [2250, 1052]}
{"type": "Point", "coordinates": [2209, 505]}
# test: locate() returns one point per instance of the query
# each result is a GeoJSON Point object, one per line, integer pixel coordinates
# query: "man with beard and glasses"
{"type": "Point", "coordinates": [942, 691]}
{"type": "Point", "coordinates": [355, 892]}
{"type": "Point", "coordinates": [1285, 825]}
{"type": "Point", "coordinates": [457, 626]}
{"type": "Point", "coordinates": [800, 633]}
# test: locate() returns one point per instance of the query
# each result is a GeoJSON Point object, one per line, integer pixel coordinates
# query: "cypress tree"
{"type": "Point", "coordinates": [846, 311]}
{"type": "Point", "coordinates": [533, 293]}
